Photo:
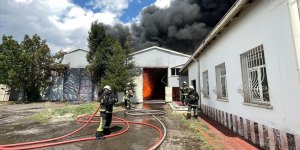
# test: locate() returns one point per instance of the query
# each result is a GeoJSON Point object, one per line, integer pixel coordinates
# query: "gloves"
{"type": "Point", "coordinates": [115, 100]}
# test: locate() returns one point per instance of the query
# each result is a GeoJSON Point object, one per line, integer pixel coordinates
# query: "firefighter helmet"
{"type": "Point", "coordinates": [107, 87]}
{"type": "Point", "coordinates": [191, 87]}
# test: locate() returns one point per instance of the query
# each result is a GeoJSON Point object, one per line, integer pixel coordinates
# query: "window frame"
{"type": "Point", "coordinates": [175, 71]}
{"type": "Point", "coordinates": [205, 84]}
{"type": "Point", "coordinates": [219, 87]}
{"type": "Point", "coordinates": [255, 87]}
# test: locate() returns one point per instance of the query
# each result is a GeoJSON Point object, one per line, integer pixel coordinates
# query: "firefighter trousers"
{"type": "Point", "coordinates": [105, 121]}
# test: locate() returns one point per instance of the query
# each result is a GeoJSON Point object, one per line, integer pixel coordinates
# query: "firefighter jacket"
{"type": "Point", "coordinates": [107, 100]}
{"type": "Point", "coordinates": [193, 98]}
{"type": "Point", "coordinates": [184, 90]}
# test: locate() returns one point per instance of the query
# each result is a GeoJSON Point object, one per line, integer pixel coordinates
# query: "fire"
{"type": "Point", "coordinates": [147, 86]}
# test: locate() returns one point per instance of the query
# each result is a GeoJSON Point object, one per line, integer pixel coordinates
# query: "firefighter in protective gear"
{"type": "Point", "coordinates": [127, 99]}
{"type": "Point", "coordinates": [184, 92]}
{"type": "Point", "coordinates": [107, 99]}
{"type": "Point", "coordinates": [192, 102]}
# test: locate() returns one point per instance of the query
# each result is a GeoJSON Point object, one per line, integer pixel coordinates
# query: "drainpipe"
{"type": "Point", "coordinates": [295, 24]}
{"type": "Point", "coordinates": [198, 74]}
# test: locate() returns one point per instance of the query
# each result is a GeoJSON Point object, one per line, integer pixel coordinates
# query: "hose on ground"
{"type": "Point", "coordinates": [141, 112]}
{"type": "Point", "coordinates": [45, 143]}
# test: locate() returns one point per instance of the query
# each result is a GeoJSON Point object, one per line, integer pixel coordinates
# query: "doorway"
{"type": "Point", "coordinates": [154, 82]}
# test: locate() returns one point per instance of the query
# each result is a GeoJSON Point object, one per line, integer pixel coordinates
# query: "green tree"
{"type": "Point", "coordinates": [27, 66]}
{"type": "Point", "coordinates": [98, 54]}
{"type": "Point", "coordinates": [130, 66]}
{"type": "Point", "coordinates": [118, 72]}
{"type": "Point", "coordinates": [108, 60]}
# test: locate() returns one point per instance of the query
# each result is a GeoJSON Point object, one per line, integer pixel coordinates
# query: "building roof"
{"type": "Point", "coordinates": [178, 66]}
{"type": "Point", "coordinates": [75, 50]}
{"type": "Point", "coordinates": [161, 49]}
{"type": "Point", "coordinates": [231, 15]}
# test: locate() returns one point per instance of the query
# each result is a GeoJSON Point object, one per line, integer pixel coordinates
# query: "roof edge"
{"type": "Point", "coordinates": [79, 49]}
{"type": "Point", "coordinates": [160, 48]}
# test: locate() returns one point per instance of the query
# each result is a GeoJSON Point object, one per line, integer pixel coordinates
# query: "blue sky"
{"type": "Point", "coordinates": [64, 24]}
{"type": "Point", "coordinates": [133, 10]}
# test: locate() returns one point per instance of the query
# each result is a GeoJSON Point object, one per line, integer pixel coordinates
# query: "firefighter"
{"type": "Point", "coordinates": [184, 92]}
{"type": "Point", "coordinates": [107, 99]}
{"type": "Point", "coordinates": [192, 102]}
{"type": "Point", "coordinates": [127, 99]}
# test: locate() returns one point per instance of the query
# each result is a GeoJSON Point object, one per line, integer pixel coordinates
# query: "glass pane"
{"type": "Point", "coordinates": [177, 71]}
{"type": "Point", "coordinates": [223, 84]}
{"type": "Point", "coordinates": [265, 87]}
{"type": "Point", "coordinates": [255, 92]}
{"type": "Point", "coordinates": [223, 71]}
{"type": "Point", "coordinates": [172, 71]}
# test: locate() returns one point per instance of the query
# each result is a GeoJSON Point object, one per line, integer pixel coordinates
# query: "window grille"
{"type": "Point", "coordinates": [255, 87]}
{"type": "Point", "coordinates": [205, 84]}
{"type": "Point", "coordinates": [221, 82]}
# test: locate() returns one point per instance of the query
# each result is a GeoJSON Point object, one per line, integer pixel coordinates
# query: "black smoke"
{"type": "Point", "coordinates": [119, 31]}
{"type": "Point", "coordinates": [181, 27]}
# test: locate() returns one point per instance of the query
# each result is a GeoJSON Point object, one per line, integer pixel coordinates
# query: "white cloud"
{"type": "Point", "coordinates": [116, 6]}
{"type": "Point", "coordinates": [62, 23]}
{"type": "Point", "coordinates": [163, 3]}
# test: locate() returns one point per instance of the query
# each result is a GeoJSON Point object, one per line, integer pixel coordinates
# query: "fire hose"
{"type": "Point", "coordinates": [141, 112]}
{"type": "Point", "coordinates": [45, 143]}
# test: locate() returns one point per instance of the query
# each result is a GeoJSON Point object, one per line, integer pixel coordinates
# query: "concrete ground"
{"type": "Point", "coordinates": [14, 129]}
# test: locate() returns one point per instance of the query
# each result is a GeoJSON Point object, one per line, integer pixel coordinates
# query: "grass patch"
{"type": "Point", "coordinates": [193, 125]}
{"type": "Point", "coordinates": [47, 114]}
{"type": "Point", "coordinates": [77, 110]}
{"type": "Point", "coordinates": [43, 116]}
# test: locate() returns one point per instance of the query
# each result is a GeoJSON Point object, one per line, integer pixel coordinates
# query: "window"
{"type": "Point", "coordinates": [221, 81]}
{"type": "Point", "coordinates": [255, 82]}
{"type": "Point", "coordinates": [205, 84]}
{"type": "Point", "coordinates": [175, 71]}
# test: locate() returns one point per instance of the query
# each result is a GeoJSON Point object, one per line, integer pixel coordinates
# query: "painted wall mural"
{"type": "Point", "coordinates": [74, 85]}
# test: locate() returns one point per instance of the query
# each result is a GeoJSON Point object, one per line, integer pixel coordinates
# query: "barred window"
{"type": "Point", "coordinates": [221, 81]}
{"type": "Point", "coordinates": [205, 84]}
{"type": "Point", "coordinates": [255, 82]}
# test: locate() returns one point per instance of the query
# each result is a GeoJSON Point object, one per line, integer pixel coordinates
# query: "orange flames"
{"type": "Point", "coordinates": [147, 86]}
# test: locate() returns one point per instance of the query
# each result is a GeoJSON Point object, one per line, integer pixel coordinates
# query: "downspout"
{"type": "Point", "coordinates": [295, 24]}
{"type": "Point", "coordinates": [198, 74]}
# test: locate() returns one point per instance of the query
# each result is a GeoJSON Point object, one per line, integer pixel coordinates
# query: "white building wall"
{"type": "Point", "coordinates": [138, 89]}
{"type": "Point", "coordinates": [4, 92]}
{"type": "Point", "coordinates": [76, 59]}
{"type": "Point", "coordinates": [156, 58]}
{"type": "Point", "coordinates": [268, 23]}
{"type": "Point", "coordinates": [193, 74]}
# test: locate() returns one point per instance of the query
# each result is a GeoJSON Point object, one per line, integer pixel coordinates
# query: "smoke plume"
{"type": "Point", "coordinates": [180, 27]}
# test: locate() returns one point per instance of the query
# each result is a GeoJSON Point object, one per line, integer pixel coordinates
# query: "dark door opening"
{"type": "Point", "coordinates": [194, 84]}
{"type": "Point", "coordinates": [154, 82]}
{"type": "Point", "coordinates": [175, 94]}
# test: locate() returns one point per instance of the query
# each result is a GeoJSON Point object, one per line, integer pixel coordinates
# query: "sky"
{"type": "Point", "coordinates": [64, 24]}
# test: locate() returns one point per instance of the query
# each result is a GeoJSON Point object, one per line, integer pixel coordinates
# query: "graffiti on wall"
{"type": "Point", "coordinates": [74, 85]}
{"type": "Point", "coordinates": [71, 84]}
